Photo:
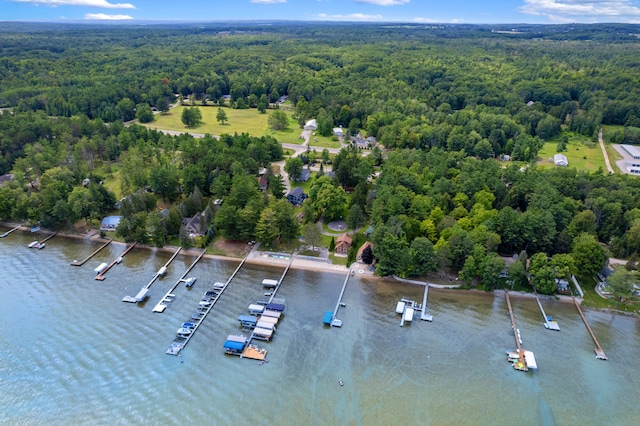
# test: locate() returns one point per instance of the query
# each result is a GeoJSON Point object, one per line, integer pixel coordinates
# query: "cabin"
{"type": "Point", "coordinates": [303, 176]}
{"type": "Point", "coordinates": [362, 248]}
{"type": "Point", "coordinates": [560, 160]}
{"type": "Point", "coordinates": [263, 183]}
{"type": "Point", "coordinates": [562, 286]}
{"type": "Point", "coordinates": [343, 244]}
{"type": "Point", "coordinates": [297, 196]}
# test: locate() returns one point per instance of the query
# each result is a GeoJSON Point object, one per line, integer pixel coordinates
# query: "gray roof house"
{"type": "Point", "coordinates": [303, 176]}
{"type": "Point", "coordinates": [297, 196]}
{"type": "Point", "coordinates": [192, 224]}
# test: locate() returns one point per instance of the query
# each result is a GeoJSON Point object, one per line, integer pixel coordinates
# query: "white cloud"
{"type": "Point", "coordinates": [350, 17]}
{"type": "Point", "coordinates": [581, 10]}
{"type": "Point", "coordinates": [87, 3]}
{"type": "Point", "coordinates": [268, 1]}
{"type": "Point", "coordinates": [384, 2]}
{"type": "Point", "coordinates": [105, 17]}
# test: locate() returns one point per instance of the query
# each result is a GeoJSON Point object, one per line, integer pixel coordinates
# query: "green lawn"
{"type": "Point", "coordinates": [581, 153]}
{"type": "Point", "coordinates": [238, 121]}
{"type": "Point", "coordinates": [323, 142]}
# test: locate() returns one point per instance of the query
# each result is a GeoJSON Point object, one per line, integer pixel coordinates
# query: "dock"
{"type": "Point", "coordinates": [142, 294]}
{"type": "Point", "coordinates": [335, 322]}
{"type": "Point", "coordinates": [4, 234]}
{"type": "Point", "coordinates": [599, 352]}
{"type": "Point", "coordinates": [548, 323]}
{"type": "Point", "coordinates": [169, 296]}
{"type": "Point", "coordinates": [423, 313]}
{"type": "Point", "coordinates": [86, 259]}
{"type": "Point", "coordinates": [209, 299]}
{"type": "Point", "coordinates": [522, 360]}
{"type": "Point", "coordinates": [100, 276]}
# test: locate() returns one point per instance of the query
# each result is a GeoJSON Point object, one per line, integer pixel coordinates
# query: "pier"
{"type": "Point", "coordinates": [100, 276]}
{"type": "Point", "coordinates": [335, 322]}
{"type": "Point", "coordinates": [4, 234]}
{"type": "Point", "coordinates": [599, 352]}
{"type": "Point", "coordinates": [548, 324]}
{"type": "Point", "coordinates": [86, 259]}
{"type": "Point", "coordinates": [204, 307]}
{"type": "Point", "coordinates": [522, 360]}
{"type": "Point", "coordinates": [169, 296]}
{"type": "Point", "coordinates": [423, 313]}
{"type": "Point", "coordinates": [142, 294]}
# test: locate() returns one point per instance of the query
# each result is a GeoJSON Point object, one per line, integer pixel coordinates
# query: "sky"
{"type": "Point", "coordinates": [415, 11]}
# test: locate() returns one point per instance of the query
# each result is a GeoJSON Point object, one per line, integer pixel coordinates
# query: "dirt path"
{"type": "Point", "coordinates": [604, 153]}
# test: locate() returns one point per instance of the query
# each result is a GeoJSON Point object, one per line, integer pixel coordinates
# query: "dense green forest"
{"type": "Point", "coordinates": [444, 101]}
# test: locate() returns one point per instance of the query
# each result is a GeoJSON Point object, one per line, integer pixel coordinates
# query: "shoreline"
{"type": "Point", "coordinates": [256, 258]}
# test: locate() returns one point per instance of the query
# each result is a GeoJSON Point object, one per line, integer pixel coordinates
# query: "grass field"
{"type": "Point", "coordinates": [238, 121]}
{"type": "Point", "coordinates": [581, 153]}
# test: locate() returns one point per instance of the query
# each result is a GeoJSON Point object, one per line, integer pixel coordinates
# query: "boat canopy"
{"type": "Point", "coordinates": [247, 319]}
{"type": "Point", "coordinates": [235, 338]}
{"type": "Point", "coordinates": [264, 332]}
{"type": "Point", "coordinates": [142, 294]}
{"type": "Point", "coordinates": [400, 308]}
{"type": "Point", "coordinates": [264, 324]}
{"type": "Point", "coordinates": [328, 316]}
{"type": "Point", "coordinates": [256, 308]}
{"type": "Point", "coordinates": [408, 314]}
{"type": "Point", "coordinates": [275, 307]}
{"type": "Point", "coordinates": [271, 320]}
{"type": "Point", "coordinates": [236, 346]}
{"type": "Point", "coordinates": [269, 283]}
{"type": "Point", "coordinates": [272, 314]}
{"type": "Point", "coordinates": [530, 359]}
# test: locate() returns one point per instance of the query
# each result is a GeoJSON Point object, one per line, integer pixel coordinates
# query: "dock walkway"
{"type": "Point", "coordinates": [520, 364]}
{"type": "Point", "coordinates": [86, 259]}
{"type": "Point", "coordinates": [100, 276]}
{"type": "Point", "coordinates": [599, 352]}
{"type": "Point", "coordinates": [335, 322]}
{"type": "Point", "coordinates": [211, 297]}
{"type": "Point", "coordinates": [142, 294]}
{"type": "Point", "coordinates": [48, 238]}
{"type": "Point", "coordinates": [4, 234]}
{"type": "Point", "coordinates": [549, 325]}
{"type": "Point", "coordinates": [423, 313]}
{"type": "Point", "coordinates": [160, 307]}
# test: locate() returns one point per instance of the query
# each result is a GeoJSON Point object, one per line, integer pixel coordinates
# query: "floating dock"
{"type": "Point", "coordinates": [4, 234]}
{"type": "Point", "coordinates": [142, 294]}
{"type": "Point", "coordinates": [100, 276]}
{"type": "Point", "coordinates": [407, 309]}
{"type": "Point", "coordinates": [169, 296]}
{"type": "Point", "coordinates": [548, 323]}
{"type": "Point", "coordinates": [210, 298]}
{"type": "Point", "coordinates": [599, 352]}
{"type": "Point", "coordinates": [86, 259]}
{"type": "Point", "coordinates": [522, 360]}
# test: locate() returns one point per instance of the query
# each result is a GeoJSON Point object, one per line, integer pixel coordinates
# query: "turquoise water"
{"type": "Point", "coordinates": [72, 353]}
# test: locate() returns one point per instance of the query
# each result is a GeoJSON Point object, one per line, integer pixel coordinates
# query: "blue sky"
{"type": "Point", "coordinates": [419, 11]}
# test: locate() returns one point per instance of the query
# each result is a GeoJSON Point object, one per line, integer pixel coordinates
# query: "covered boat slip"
{"type": "Point", "coordinates": [278, 307]}
{"type": "Point", "coordinates": [269, 283]}
{"type": "Point", "coordinates": [328, 317]}
{"type": "Point", "coordinates": [262, 333]}
{"type": "Point", "coordinates": [248, 320]}
{"type": "Point", "coordinates": [266, 325]}
{"type": "Point", "coordinates": [255, 309]}
{"type": "Point", "coordinates": [235, 344]}
{"type": "Point", "coordinates": [272, 314]}
{"type": "Point", "coordinates": [270, 320]}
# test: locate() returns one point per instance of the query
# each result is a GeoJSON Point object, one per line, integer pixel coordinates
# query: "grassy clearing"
{"type": "Point", "coordinates": [323, 142]}
{"type": "Point", "coordinates": [593, 299]}
{"type": "Point", "coordinates": [238, 121]}
{"type": "Point", "coordinates": [581, 153]}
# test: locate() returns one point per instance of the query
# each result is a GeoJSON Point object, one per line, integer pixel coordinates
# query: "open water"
{"type": "Point", "coordinates": [72, 353]}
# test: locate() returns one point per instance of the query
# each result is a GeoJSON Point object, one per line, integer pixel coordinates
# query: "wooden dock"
{"type": "Point", "coordinates": [100, 276]}
{"type": "Point", "coordinates": [4, 234]}
{"type": "Point", "coordinates": [335, 322]}
{"type": "Point", "coordinates": [520, 364]}
{"type": "Point", "coordinates": [48, 238]}
{"type": "Point", "coordinates": [160, 307]}
{"type": "Point", "coordinates": [142, 294]}
{"type": "Point", "coordinates": [599, 352]}
{"type": "Point", "coordinates": [423, 313]}
{"type": "Point", "coordinates": [86, 259]}
{"type": "Point", "coordinates": [180, 342]}
{"type": "Point", "coordinates": [549, 325]}
{"type": "Point", "coordinates": [254, 352]}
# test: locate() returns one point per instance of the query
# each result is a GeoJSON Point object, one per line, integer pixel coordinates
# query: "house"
{"type": "Point", "coordinates": [562, 286]}
{"type": "Point", "coordinates": [263, 183]}
{"type": "Point", "coordinates": [343, 244]}
{"type": "Point", "coordinates": [560, 160]}
{"type": "Point", "coordinates": [303, 176]}
{"type": "Point", "coordinates": [311, 125]}
{"type": "Point", "coordinates": [282, 99]}
{"type": "Point", "coordinates": [110, 223]}
{"type": "Point", "coordinates": [363, 248]}
{"type": "Point", "coordinates": [217, 203]}
{"type": "Point", "coordinates": [192, 224]}
{"type": "Point", "coordinates": [338, 131]}
{"type": "Point", "coordinates": [632, 151]}
{"type": "Point", "coordinates": [6, 178]}
{"type": "Point", "coordinates": [530, 103]}
{"type": "Point", "coordinates": [297, 196]}
{"type": "Point", "coordinates": [360, 142]}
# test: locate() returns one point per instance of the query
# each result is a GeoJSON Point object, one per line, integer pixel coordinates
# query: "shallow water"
{"type": "Point", "coordinates": [72, 352]}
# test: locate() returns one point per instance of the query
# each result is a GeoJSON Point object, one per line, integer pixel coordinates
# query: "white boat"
{"type": "Point", "coordinates": [408, 315]}
{"type": "Point", "coordinates": [100, 267]}
{"type": "Point", "coordinates": [40, 246]}
{"type": "Point", "coordinates": [162, 271]}
{"type": "Point", "coordinates": [119, 260]}
{"type": "Point", "coordinates": [32, 244]}
{"type": "Point", "coordinates": [190, 281]}
{"type": "Point", "coordinates": [269, 283]}
{"type": "Point", "coordinates": [183, 331]}
{"type": "Point", "coordinates": [400, 307]}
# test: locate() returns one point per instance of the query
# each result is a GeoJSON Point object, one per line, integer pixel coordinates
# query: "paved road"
{"type": "Point", "coordinates": [604, 153]}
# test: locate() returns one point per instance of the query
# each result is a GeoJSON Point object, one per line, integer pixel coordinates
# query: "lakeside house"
{"type": "Point", "coordinates": [297, 196]}
{"type": "Point", "coordinates": [343, 244]}
{"type": "Point", "coordinates": [362, 248]}
{"type": "Point", "coordinates": [110, 223]}
{"type": "Point", "coordinates": [193, 225]}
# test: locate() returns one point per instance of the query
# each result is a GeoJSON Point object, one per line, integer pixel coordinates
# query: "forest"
{"type": "Point", "coordinates": [447, 103]}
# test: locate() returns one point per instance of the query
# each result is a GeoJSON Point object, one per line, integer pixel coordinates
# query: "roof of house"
{"type": "Point", "coordinates": [560, 159]}
{"type": "Point", "coordinates": [263, 181]}
{"type": "Point", "coordinates": [344, 238]}
{"type": "Point", "coordinates": [304, 174]}
{"type": "Point", "coordinates": [296, 192]}
{"type": "Point", "coordinates": [363, 247]}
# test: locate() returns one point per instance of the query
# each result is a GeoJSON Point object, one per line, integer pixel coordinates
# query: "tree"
{"type": "Point", "coordinates": [221, 116]}
{"type": "Point", "coordinates": [185, 239]}
{"type": "Point", "coordinates": [263, 104]}
{"type": "Point", "coordinates": [157, 228]}
{"type": "Point", "coordinates": [278, 120]}
{"type": "Point", "coordinates": [144, 113]}
{"type": "Point", "coordinates": [312, 235]}
{"type": "Point", "coordinates": [332, 244]}
{"type": "Point", "coordinates": [164, 181]}
{"type": "Point", "coordinates": [490, 270]}
{"type": "Point", "coordinates": [621, 282]}
{"type": "Point", "coordinates": [81, 203]}
{"type": "Point", "coordinates": [286, 220]}
{"type": "Point", "coordinates": [267, 227]}
{"type": "Point", "coordinates": [191, 116]}
{"type": "Point", "coordinates": [563, 264]}
{"type": "Point", "coordinates": [517, 273]}
{"type": "Point", "coordinates": [544, 281]}
{"type": "Point", "coordinates": [589, 256]}
{"type": "Point", "coordinates": [423, 256]}
{"type": "Point", "coordinates": [354, 217]}
{"type": "Point", "coordinates": [293, 166]}
{"type": "Point", "coordinates": [162, 105]}
{"type": "Point", "coordinates": [276, 186]}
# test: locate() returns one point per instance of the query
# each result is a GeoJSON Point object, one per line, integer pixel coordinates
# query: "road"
{"type": "Point", "coordinates": [604, 153]}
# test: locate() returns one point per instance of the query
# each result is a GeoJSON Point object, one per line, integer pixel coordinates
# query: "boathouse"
{"type": "Point", "coordinates": [110, 223]}
{"type": "Point", "coordinates": [343, 244]}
